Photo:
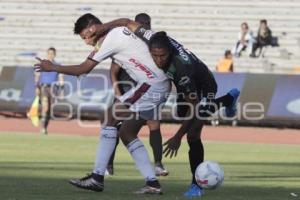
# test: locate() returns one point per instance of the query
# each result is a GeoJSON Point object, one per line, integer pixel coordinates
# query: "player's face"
{"type": "Point", "coordinates": [263, 25]}
{"type": "Point", "coordinates": [146, 23]}
{"type": "Point", "coordinates": [50, 55]}
{"type": "Point", "coordinates": [160, 56]}
{"type": "Point", "coordinates": [88, 37]}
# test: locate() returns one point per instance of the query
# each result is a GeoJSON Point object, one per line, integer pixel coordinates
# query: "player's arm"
{"type": "Point", "coordinates": [173, 144]}
{"type": "Point", "coordinates": [114, 71]}
{"type": "Point", "coordinates": [193, 101]}
{"type": "Point", "coordinates": [133, 26]}
{"type": "Point", "coordinates": [185, 85]}
{"type": "Point", "coordinates": [74, 70]}
{"type": "Point", "coordinates": [100, 29]}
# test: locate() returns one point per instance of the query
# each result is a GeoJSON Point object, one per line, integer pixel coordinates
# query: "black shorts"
{"type": "Point", "coordinates": [207, 91]}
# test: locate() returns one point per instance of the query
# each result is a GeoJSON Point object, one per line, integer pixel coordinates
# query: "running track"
{"type": "Point", "coordinates": [209, 133]}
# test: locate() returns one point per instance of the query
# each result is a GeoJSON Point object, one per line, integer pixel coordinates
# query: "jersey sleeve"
{"type": "Point", "coordinates": [144, 34]}
{"type": "Point", "coordinates": [109, 47]}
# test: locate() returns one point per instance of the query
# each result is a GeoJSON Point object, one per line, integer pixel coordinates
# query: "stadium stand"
{"type": "Point", "coordinates": [27, 27]}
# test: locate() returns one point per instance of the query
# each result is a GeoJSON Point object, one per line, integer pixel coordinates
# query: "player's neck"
{"type": "Point", "coordinates": [101, 39]}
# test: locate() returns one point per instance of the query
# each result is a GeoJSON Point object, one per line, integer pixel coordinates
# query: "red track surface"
{"type": "Point", "coordinates": [221, 133]}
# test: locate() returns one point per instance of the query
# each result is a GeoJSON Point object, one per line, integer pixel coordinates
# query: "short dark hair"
{"type": "Point", "coordinates": [52, 49]}
{"type": "Point", "coordinates": [264, 21]}
{"type": "Point", "coordinates": [84, 21]}
{"type": "Point", "coordinates": [227, 53]}
{"type": "Point", "coordinates": [160, 40]}
{"type": "Point", "coordinates": [245, 24]}
{"type": "Point", "coordinates": [142, 16]}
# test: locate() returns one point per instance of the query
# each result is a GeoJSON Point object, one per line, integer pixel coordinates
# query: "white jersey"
{"type": "Point", "coordinates": [132, 54]}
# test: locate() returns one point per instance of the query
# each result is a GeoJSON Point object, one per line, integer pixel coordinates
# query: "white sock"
{"type": "Point", "coordinates": [141, 158]}
{"type": "Point", "coordinates": [106, 146]}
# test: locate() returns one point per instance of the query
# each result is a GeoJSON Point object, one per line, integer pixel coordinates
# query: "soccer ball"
{"type": "Point", "coordinates": [209, 175]}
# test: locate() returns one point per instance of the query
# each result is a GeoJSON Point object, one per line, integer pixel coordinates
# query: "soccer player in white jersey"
{"type": "Point", "coordinates": [150, 92]}
{"type": "Point", "coordinates": [122, 83]}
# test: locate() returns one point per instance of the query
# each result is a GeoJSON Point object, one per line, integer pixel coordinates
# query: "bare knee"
{"type": "Point", "coordinates": [153, 124]}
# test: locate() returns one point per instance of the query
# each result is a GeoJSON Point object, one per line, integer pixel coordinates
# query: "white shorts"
{"type": "Point", "coordinates": [144, 98]}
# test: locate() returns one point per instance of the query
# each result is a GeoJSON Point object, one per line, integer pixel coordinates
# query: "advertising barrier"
{"type": "Point", "coordinates": [264, 99]}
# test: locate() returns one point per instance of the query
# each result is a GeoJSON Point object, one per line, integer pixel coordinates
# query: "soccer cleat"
{"type": "Point", "coordinates": [161, 171]}
{"type": "Point", "coordinates": [44, 131]}
{"type": "Point", "coordinates": [89, 183]}
{"type": "Point", "coordinates": [231, 110]}
{"type": "Point", "coordinates": [149, 190]}
{"type": "Point", "coordinates": [194, 191]}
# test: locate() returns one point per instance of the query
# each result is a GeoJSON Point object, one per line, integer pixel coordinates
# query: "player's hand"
{"type": "Point", "coordinates": [172, 146]}
{"type": "Point", "coordinates": [43, 65]}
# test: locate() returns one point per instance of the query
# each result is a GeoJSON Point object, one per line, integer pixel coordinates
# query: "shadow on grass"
{"type": "Point", "coordinates": [49, 180]}
{"type": "Point", "coordinates": [32, 188]}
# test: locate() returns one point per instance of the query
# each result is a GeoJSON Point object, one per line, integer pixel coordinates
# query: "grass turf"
{"type": "Point", "coordinates": [38, 167]}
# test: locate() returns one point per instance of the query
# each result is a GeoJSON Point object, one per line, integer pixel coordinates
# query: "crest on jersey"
{"type": "Point", "coordinates": [126, 31]}
{"type": "Point", "coordinates": [184, 81]}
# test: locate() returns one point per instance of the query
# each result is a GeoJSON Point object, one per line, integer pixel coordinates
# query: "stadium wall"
{"type": "Point", "coordinates": [266, 99]}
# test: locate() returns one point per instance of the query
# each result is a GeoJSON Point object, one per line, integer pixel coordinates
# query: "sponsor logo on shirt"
{"type": "Point", "coordinates": [170, 75]}
{"type": "Point", "coordinates": [182, 52]}
{"type": "Point", "coordinates": [142, 67]}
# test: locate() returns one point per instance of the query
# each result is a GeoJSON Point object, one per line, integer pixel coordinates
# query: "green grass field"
{"type": "Point", "coordinates": [38, 167]}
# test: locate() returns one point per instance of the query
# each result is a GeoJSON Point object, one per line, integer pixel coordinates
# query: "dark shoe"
{"type": "Point", "coordinates": [232, 109]}
{"type": "Point", "coordinates": [89, 182]}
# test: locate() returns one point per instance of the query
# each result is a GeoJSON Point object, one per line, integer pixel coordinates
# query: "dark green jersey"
{"type": "Point", "coordinates": [187, 72]}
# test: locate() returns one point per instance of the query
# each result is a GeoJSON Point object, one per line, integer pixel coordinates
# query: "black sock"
{"type": "Point", "coordinates": [156, 144]}
{"type": "Point", "coordinates": [225, 100]}
{"type": "Point", "coordinates": [98, 177]}
{"type": "Point", "coordinates": [112, 157]}
{"type": "Point", "coordinates": [45, 121]}
{"type": "Point", "coordinates": [196, 156]}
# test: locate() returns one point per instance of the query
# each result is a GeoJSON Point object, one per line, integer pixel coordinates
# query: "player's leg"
{"type": "Point", "coordinates": [208, 92]}
{"type": "Point", "coordinates": [196, 151]}
{"type": "Point", "coordinates": [128, 134]}
{"type": "Point", "coordinates": [156, 145]}
{"type": "Point", "coordinates": [110, 165]}
{"type": "Point", "coordinates": [105, 148]}
{"type": "Point", "coordinates": [45, 101]}
{"type": "Point", "coordinates": [196, 156]}
{"type": "Point", "coordinates": [125, 84]}
{"type": "Point", "coordinates": [228, 101]}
